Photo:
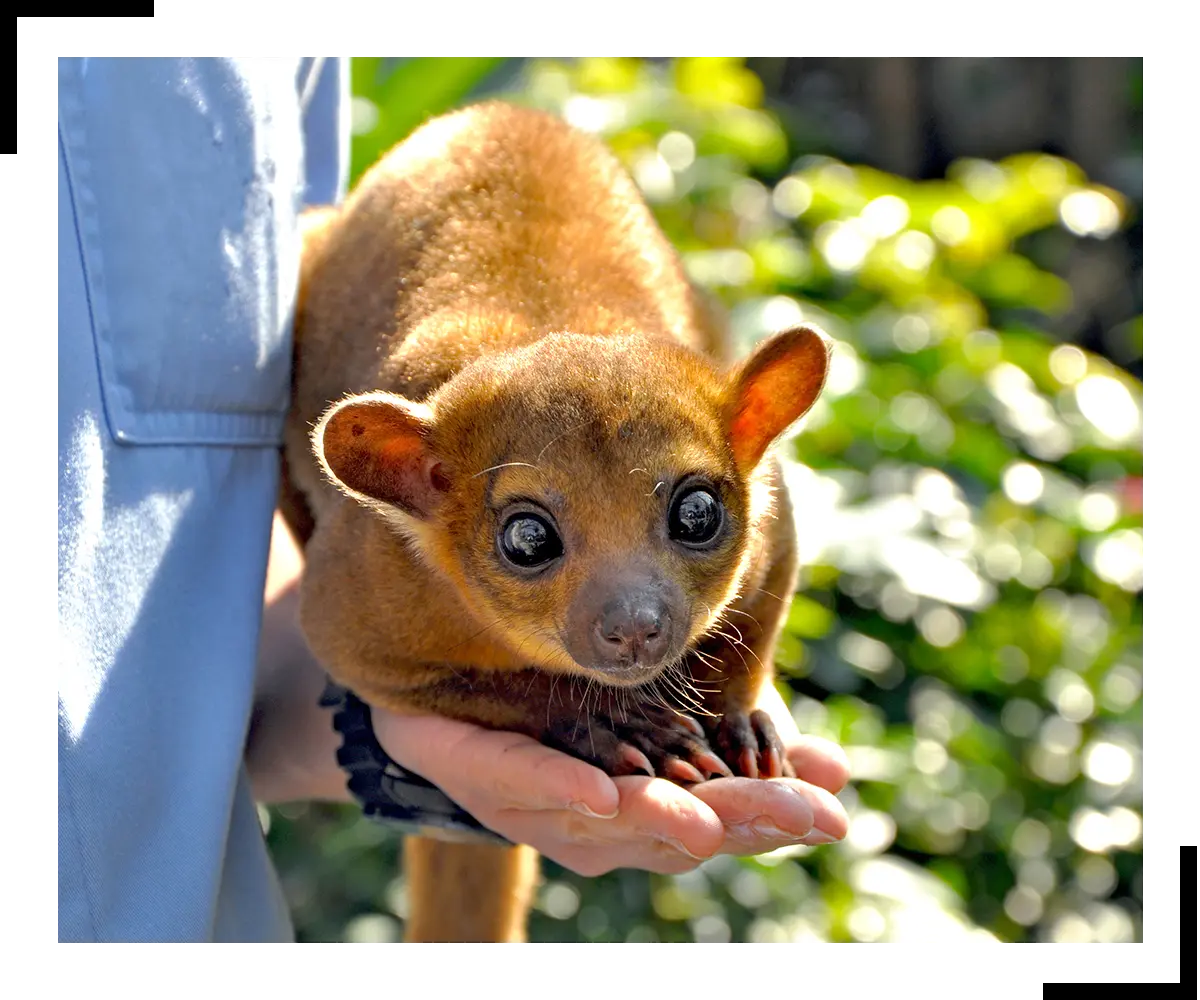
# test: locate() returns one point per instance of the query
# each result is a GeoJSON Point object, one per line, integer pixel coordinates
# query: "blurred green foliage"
{"type": "Point", "coordinates": [968, 491]}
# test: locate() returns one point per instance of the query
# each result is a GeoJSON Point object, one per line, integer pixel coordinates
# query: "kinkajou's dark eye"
{"type": "Point", "coordinates": [529, 540]}
{"type": "Point", "coordinates": [696, 517]}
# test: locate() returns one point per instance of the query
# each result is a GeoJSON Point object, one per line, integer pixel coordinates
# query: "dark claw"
{"type": "Point", "coordinates": [633, 759]}
{"type": "Point", "coordinates": [692, 725]}
{"type": "Point", "coordinates": [769, 764]}
{"type": "Point", "coordinates": [681, 770]}
{"type": "Point", "coordinates": [747, 763]}
{"type": "Point", "coordinates": [770, 758]}
{"type": "Point", "coordinates": [712, 765]}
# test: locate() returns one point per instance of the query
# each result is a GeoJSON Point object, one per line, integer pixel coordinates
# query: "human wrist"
{"type": "Point", "coordinates": [291, 751]}
{"type": "Point", "coordinates": [387, 791]}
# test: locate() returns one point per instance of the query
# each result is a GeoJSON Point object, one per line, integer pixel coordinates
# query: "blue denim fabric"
{"type": "Point", "coordinates": [180, 182]}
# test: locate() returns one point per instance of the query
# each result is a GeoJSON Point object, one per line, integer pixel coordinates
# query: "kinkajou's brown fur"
{"type": "Point", "coordinates": [531, 497]}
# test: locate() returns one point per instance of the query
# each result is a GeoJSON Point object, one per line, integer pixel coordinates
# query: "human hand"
{"type": "Point", "coordinates": [570, 811]}
{"type": "Point", "coordinates": [586, 821]}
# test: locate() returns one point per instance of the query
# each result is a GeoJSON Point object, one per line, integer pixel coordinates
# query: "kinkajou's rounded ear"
{"type": "Point", "coordinates": [375, 447]}
{"type": "Point", "coordinates": [773, 388]}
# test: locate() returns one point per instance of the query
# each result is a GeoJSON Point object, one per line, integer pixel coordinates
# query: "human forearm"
{"type": "Point", "coordinates": [291, 748]}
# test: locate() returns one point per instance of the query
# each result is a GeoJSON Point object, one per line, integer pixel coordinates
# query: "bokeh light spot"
{"type": "Point", "coordinates": [791, 197]}
{"type": "Point", "coordinates": [864, 652]}
{"type": "Point", "coordinates": [711, 929]}
{"type": "Point", "coordinates": [714, 268]}
{"type": "Point", "coordinates": [1098, 510]}
{"type": "Point", "coordinates": [1100, 832]}
{"type": "Point", "coordinates": [750, 888]}
{"type": "Point", "coordinates": [886, 215]}
{"type": "Point", "coordinates": [655, 177]}
{"type": "Point", "coordinates": [871, 832]}
{"type": "Point", "coordinates": [678, 149]}
{"type": "Point", "coordinates": [941, 627]}
{"type": "Point", "coordinates": [1121, 687]}
{"type": "Point", "coordinates": [1089, 213]}
{"type": "Point", "coordinates": [560, 900]}
{"type": "Point", "coordinates": [951, 225]}
{"type": "Point", "coordinates": [1068, 364]}
{"type": "Point", "coordinates": [1059, 735]}
{"type": "Point", "coordinates": [1096, 875]}
{"type": "Point", "coordinates": [915, 250]}
{"type": "Point", "coordinates": [1023, 905]}
{"type": "Point", "coordinates": [929, 756]}
{"type": "Point", "coordinates": [749, 200]}
{"type": "Point", "coordinates": [1071, 696]}
{"type": "Point", "coordinates": [373, 928]}
{"type": "Point", "coordinates": [364, 115]}
{"type": "Point", "coordinates": [593, 114]}
{"type": "Point", "coordinates": [1117, 558]}
{"type": "Point", "coordinates": [911, 333]}
{"type": "Point", "coordinates": [1023, 483]}
{"type": "Point", "coordinates": [866, 923]}
{"type": "Point", "coordinates": [1038, 874]}
{"type": "Point", "coordinates": [1108, 764]}
{"type": "Point", "coordinates": [1021, 717]}
{"type": "Point", "coordinates": [780, 312]}
{"type": "Point", "coordinates": [843, 245]}
{"type": "Point", "coordinates": [1031, 838]}
{"type": "Point", "coordinates": [1109, 407]}
{"type": "Point", "coordinates": [983, 180]}
{"type": "Point", "coordinates": [1036, 570]}
{"type": "Point", "coordinates": [846, 371]}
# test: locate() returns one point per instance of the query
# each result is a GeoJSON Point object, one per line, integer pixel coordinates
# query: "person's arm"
{"type": "Point", "coordinates": [566, 809]}
{"type": "Point", "coordinates": [291, 747]}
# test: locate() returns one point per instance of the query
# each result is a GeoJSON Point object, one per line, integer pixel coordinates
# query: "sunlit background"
{"type": "Point", "coordinates": [968, 490]}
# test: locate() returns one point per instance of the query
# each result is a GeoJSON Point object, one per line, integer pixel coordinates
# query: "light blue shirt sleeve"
{"type": "Point", "coordinates": [180, 182]}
